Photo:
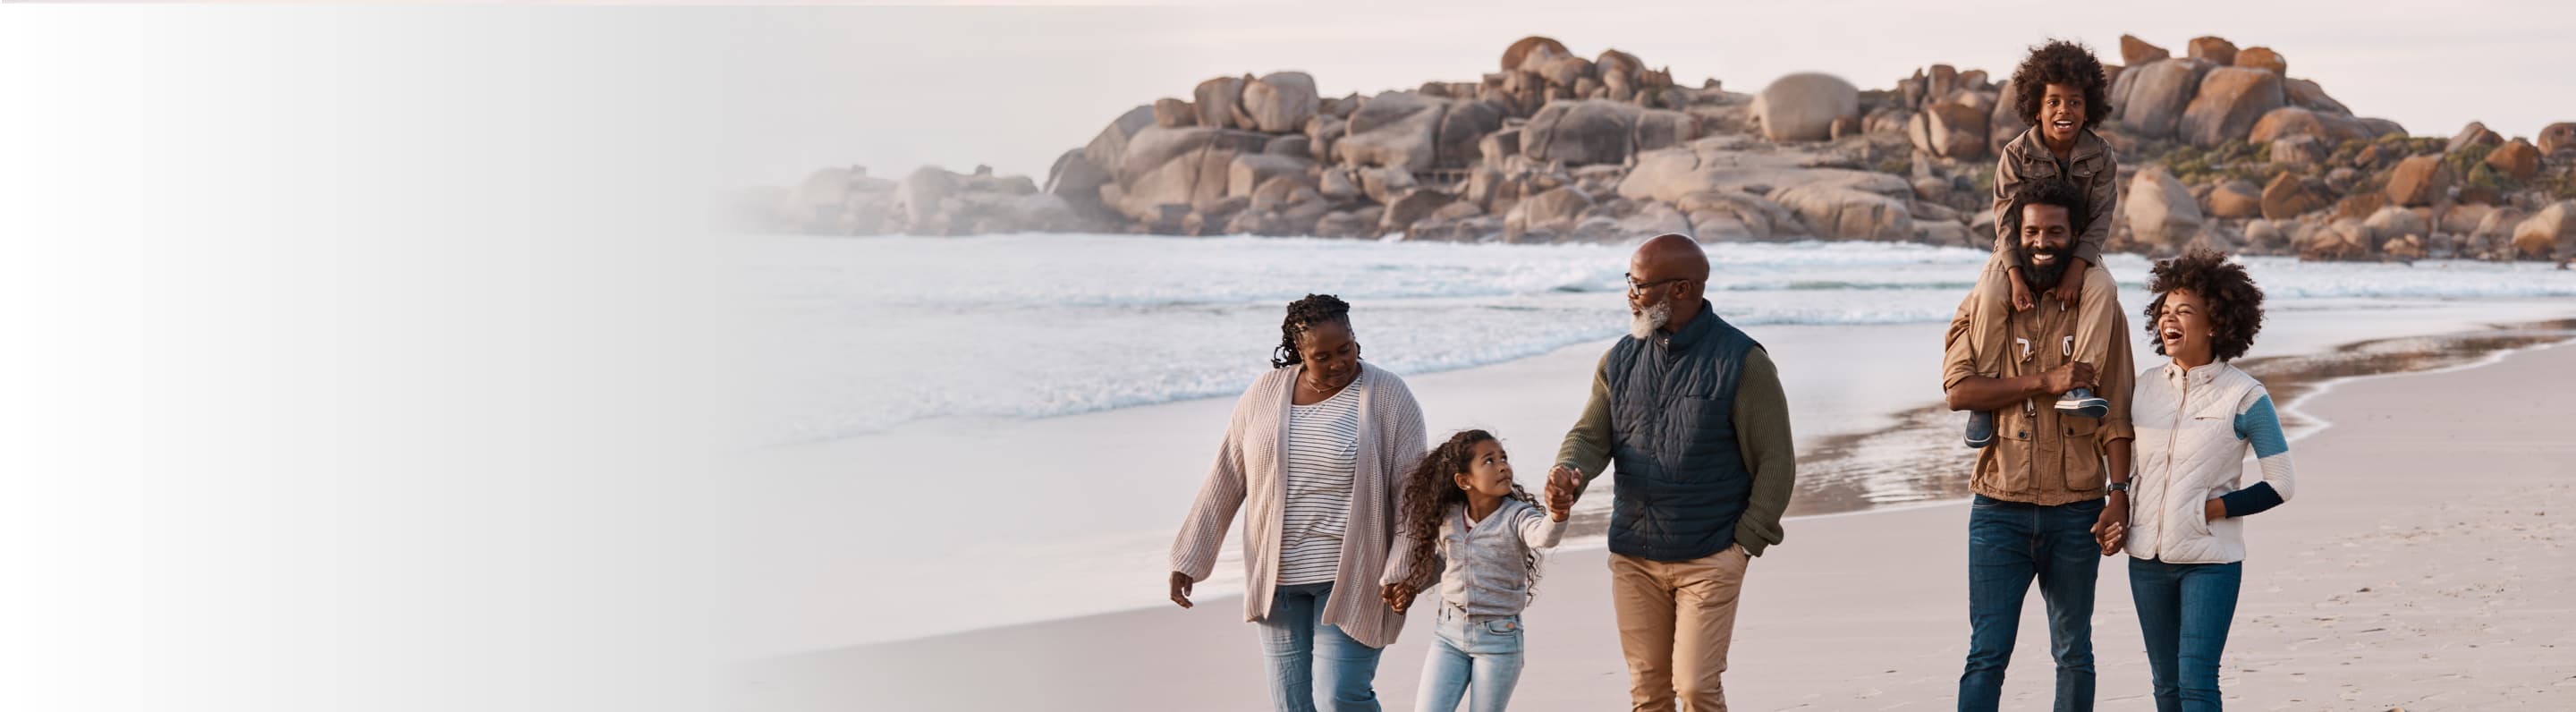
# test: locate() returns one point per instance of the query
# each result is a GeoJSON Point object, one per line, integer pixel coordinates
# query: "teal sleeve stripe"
{"type": "Point", "coordinates": [2260, 426]}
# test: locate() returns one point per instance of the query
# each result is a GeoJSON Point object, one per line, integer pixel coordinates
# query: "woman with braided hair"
{"type": "Point", "coordinates": [1313, 456]}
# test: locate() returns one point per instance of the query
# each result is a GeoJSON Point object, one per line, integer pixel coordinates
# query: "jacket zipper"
{"type": "Point", "coordinates": [2173, 439]}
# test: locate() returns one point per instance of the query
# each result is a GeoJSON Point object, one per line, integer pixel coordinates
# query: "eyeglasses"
{"type": "Point", "coordinates": [1635, 287]}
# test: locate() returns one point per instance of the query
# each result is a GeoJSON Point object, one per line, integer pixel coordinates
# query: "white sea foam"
{"type": "Point", "coordinates": [863, 335]}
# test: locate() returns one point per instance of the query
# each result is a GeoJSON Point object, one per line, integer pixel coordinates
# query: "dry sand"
{"type": "Point", "coordinates": [2424, 565]}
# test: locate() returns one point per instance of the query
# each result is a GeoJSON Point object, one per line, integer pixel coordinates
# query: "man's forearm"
{"type": "Point", "coordinates": [1977, 393]}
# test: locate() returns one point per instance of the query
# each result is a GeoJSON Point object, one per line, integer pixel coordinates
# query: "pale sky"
{"type": "Point", "coordinates": [894, 88]}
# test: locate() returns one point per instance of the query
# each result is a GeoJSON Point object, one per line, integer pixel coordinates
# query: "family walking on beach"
{"type": "Point", "coordinates": [1352, 518]}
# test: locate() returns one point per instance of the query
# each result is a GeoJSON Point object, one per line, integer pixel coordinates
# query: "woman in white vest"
{"type": "Point", "coordinates": [2197, 417]}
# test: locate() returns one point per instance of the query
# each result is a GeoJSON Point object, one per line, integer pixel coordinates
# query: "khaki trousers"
{"type": "Point", "coordinates": [1676, 619]}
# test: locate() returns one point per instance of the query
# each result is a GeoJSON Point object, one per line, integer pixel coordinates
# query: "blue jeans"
{"type": "Point", "coordinates": [1482, 655]}
{"type": "Point", "coordinates": [1311, 661]}
{"type": "Point", "coordinates": [2009, 545]}
{"type": "Point", "coordinates": [2184, 610]}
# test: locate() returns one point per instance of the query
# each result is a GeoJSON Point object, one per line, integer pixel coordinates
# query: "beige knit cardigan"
{"type": "Point", "coordinates": [1251, 474]}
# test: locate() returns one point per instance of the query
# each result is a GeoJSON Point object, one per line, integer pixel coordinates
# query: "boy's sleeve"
{"type": "Point", "coordinates": [2007, 180]}
{"type": "Point", "coordinates": [2103, 195]}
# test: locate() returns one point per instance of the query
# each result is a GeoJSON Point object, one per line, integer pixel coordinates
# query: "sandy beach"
{"type": "Point", "coordinates": [2423, 566]}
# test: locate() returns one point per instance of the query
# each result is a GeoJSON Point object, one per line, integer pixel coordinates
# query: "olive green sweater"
{"type": "Point", "coordinates": [1761, 434]}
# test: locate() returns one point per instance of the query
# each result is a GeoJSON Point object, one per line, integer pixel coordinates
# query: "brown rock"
{"type": "Point", "coordinates": [1280, 102]}
{"type": "Point", "coordinates": [2393, 222]}
{"type": "Point", "coordinates": [2289, 196]}
{"type": "Point", "coordinates": [2309, 95]}
{"type": "Point", "coordinates": [1949, 130]}
{"type": "Point", "coordinates": [1218, 100]}
{"type": "Point", "coordinates": [1581, 132]}
{"type": "Point", "coordinates": [2516, 159]}
{"type": "Point", "coordinates": [2290, 121]}
{"type": "Point", "coordinates": [2135, 52]}
{"type": "Point", "coordinates": [1837, 211]}
{"type": "Point", "coordinates": [2419, 180]}
{"type": "Point", "coordinates": [2474, 134]}
{"type": "Point", "coordinates": [2556, 137]}
{"type": "Point", "coordinates": [2359, 206]}
{"type": "Point", "coordinates": [1250, 170]}
{"type": "Point", "coordinates": [2236, 199]}
{"type": "Point", "coordinates": [2212, 50]}
{"type": "Point", "coordinates": [2407, 248]}
{"type": "Point", "coordinates": [1412, 207]}
{"type": "Point", "coordinates": [2160, 209]}
{"type": "Point", "coordinates": [1174, 113]}
{"type": "Point", "coordinates": [1521, 51]}
{"type": "Point", "coordinates": [1614, 62]}
{"type": "Point", "coordinates": [1393, 129]}
{"type": "Point", "coordinates": [2155, 95]}
{"type": "Point", "coordinates": [2231, 99]}
{"type": "Point", "coordinates": [1803, 107]}
{"type": "Point", "coordinates": [2263, 58]}
{"type": "Point", "coordinates": [2549, 233]}
{"type": "Point", "coordinates": [1554, 210]}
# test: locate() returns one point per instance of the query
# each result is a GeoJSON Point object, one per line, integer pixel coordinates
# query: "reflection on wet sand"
{"type": "Point", "coordinates": [1920, 458]}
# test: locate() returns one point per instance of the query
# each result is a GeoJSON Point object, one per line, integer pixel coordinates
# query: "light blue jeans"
{"type": "Point", "coordinates": [1483, 656]}
{"type": "Point", "coordinates": [1311, 662]}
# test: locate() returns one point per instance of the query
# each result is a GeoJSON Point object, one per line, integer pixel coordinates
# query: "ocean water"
{"type": "Point", "coordinates": [865, 335]}
{"type": "Point", "coordinates": [1010, 414]}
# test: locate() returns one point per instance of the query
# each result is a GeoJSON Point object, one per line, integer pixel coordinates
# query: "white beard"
{"type": "Point", "coordinates": [1642, 324]}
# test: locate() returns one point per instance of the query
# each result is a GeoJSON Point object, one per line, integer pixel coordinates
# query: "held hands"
{"type": "Point", "coordinates": [1397, 596]}
{"type": "Point", "coordinates": [1181, 589]}
{"type": "Point", "coordinates": [2111, 530]}
{"type": "Point", "coordinates": [1561, 484]}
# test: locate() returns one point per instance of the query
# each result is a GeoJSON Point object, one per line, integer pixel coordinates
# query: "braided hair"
{"type": "Point", "coordinates": [1431, 491]}
{"type": "Point", "coordinates": [1304, 315]}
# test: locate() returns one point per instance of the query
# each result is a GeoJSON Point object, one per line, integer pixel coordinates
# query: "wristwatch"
{"type": "Point", "coordinates": [2118, 486]}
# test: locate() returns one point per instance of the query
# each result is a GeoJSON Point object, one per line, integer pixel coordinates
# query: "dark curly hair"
{"type": "Point", "coordinates": [1304, 314]}
{"type": "Point", "coordinates": [2065, 63]}
{"type": "Point", "coordinates": [2234, 304]}
{"type": "Point", "coordinates": [1429, 493]}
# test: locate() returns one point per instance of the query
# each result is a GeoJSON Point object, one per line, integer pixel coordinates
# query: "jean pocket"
{"type": "Point", "coordinates": [1504, 626]}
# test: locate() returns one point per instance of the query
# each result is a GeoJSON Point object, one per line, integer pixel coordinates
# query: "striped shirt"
{"type": "Point", "coordinates": [1323, 451]}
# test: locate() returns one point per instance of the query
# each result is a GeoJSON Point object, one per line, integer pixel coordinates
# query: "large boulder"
{"type": "Point", "coordinates": [1280, 102]}
{"type": "Point", "coordinates": [1804, 106]}
{"type": "Point", "coordinates": [2161, 211]}
{"type": "Point", "coordinates": [1219, 100]}
{"type": "Point", "coordinates": [2236, 199]}
{"type": "Point", "coordinates": [2309, 95]}
{"type": "Point", "coordinates": [2153, 97]}
{"type": "Point", "coordinates": [2549, 233]}
{"type": "Point", "coordinates": [1397, 129]}
{"type": "Point", "coordinates": [1108, 148]}
{"type": "Point", "coordinates": [1581, 132]}
{"type": "Point", "coordinates": [1383, 184]}
{"type": "Point", "coordinates": [2263, 58]}
{"type": "Point", "coordinates": [2556, 137]}
{"type": "Point", "coordinates": [2299, 151]}
{"type": "Point", "coordinates": [1250, 170]}
{"type": "Point", "coordinates": [1663, 128]}
{"type": "Point", "coordinates": [1552, 211]}
{"type": "Point", "coordinates": [1949, 130]}
{"type": "Point", "coordinates": [2231, 99]}
{"type": "Point", "coordinates": [2213, 50]}
{"type": "Point", "coordinates": [1412, 207]}
{"type": "Point", "coordinates": [2516, 158]}
{"type": "Point", "coordinates": [2289, 196]}
{"type": "Point", "coordinates": [2474, 134]}
{"type": "Point", "coordinates": [1844, 210]}
{"type": "Point", "coordinates": [2292, 121]}
{"type": "Point", "coordinates": [2419, 180]}
{"type": "Point", "coordinates": [1462, 125]}
{"type": "Point", "coordinates": [1177, 167]}
{"type": "Point", "coordinates": [2134, 51]}
{"type": "Point", "coordinates": [2393, 222]}
{"type": "Point", "coordinates": [1173, 113]}
{"type": "Point", "coordinates": [1527, 48]}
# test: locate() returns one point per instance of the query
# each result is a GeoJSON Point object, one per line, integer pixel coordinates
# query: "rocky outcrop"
{"type": "Point", "coordinates": [2228, 152]}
